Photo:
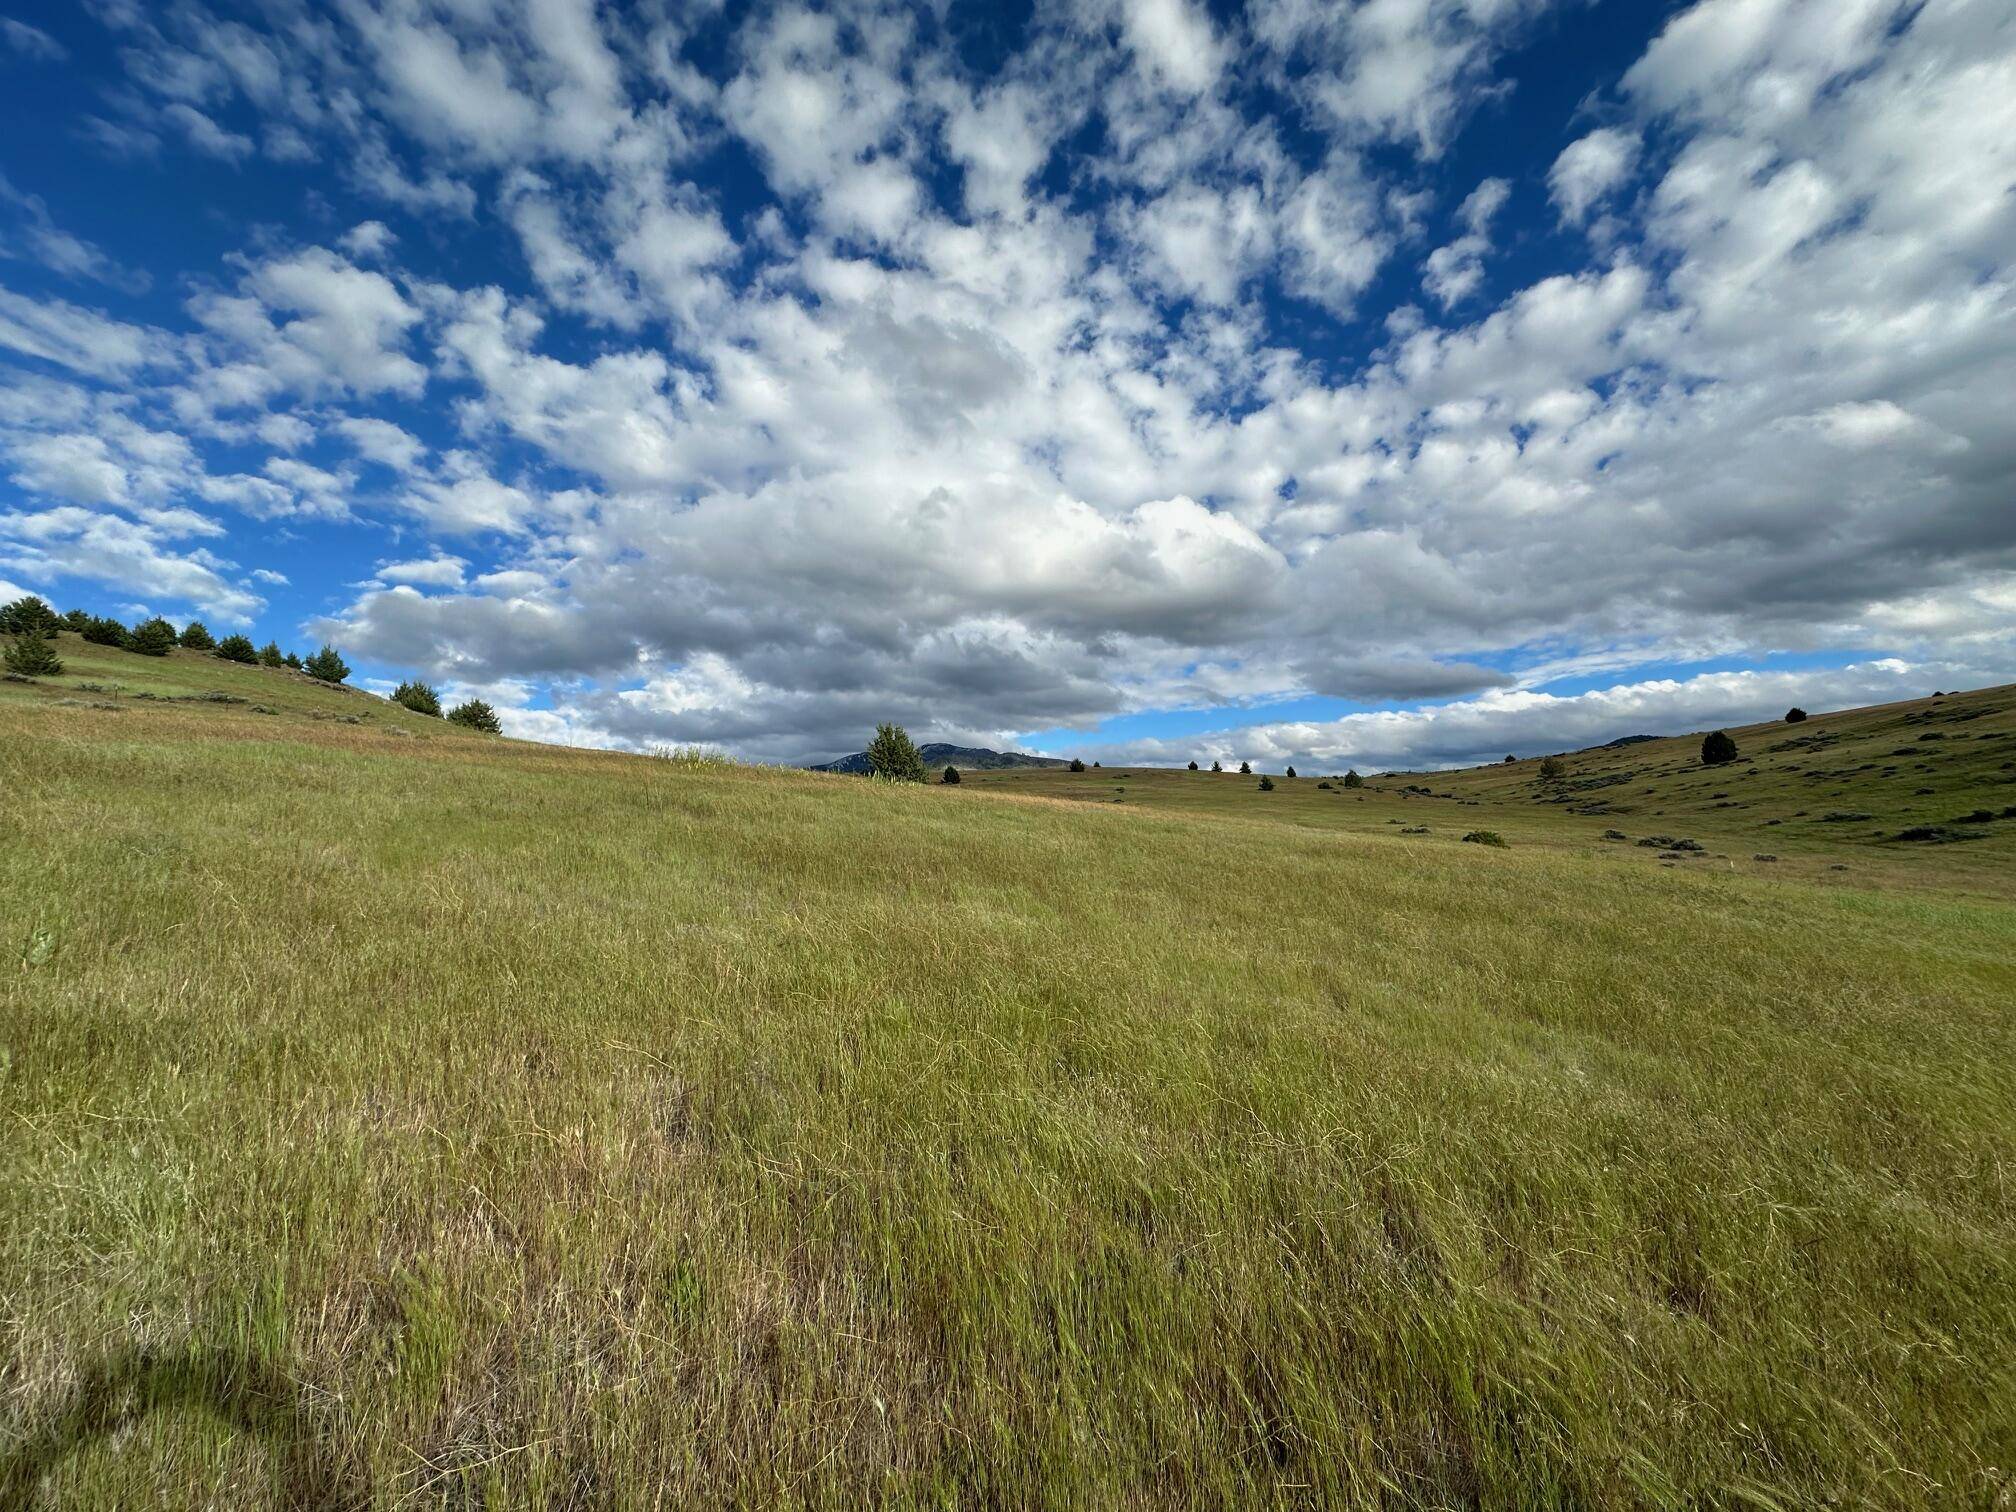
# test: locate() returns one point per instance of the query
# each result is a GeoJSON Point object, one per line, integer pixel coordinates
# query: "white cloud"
{"type": "Point", "coordinates": [1590, 169]}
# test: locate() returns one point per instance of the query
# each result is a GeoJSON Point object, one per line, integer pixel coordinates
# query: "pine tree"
{"type": "Point", "coordinates": [1245, 769]}
{"type": "Point", "coordinates": [1216, 767]}
{"type": "Point", "coordinates": [1795, 715]}
{"type": "Point", "coordinates": [29, 616]}
{"type": "Point", "coordinates": [237, 648]}
{"type": "Point", "coordinates": [326, 666]}
{"type": "Point", "coordinates": [293, 661]}
{"type": "Point", "coordinates": [476, 715]}
{"type": "Point", "coordinates": [951, 775]}
{"type": "Point", "coordinates": [102, 631]}
{"type": "Point", "coordinates": [196, 637]}
{"type": "Point", "coordinates": [1193, 766]}
{"type": "Point", "coordinates": [269, 655]}
{"type": "Point", "coordinates": [30, 655]}
{"type": "Point", "coordinates": [418, 697]}
{"type": "Point", "coordinates": [1290, 772]}
{"type": "Point", "coordinates": [1353, 780]}
{"type": "Point", "coordinates": [1266, 784]}
{"type": "Point", "coordinates": [154, 638]}
{"type": "Point", "coordinates": [892, 755]}
{"type": "Point", "coordinates": [1718, 749]}
{"type": "Point", "coordinates": [1077, 765]}
{"type": "Point", "coordinates": [77, 619]}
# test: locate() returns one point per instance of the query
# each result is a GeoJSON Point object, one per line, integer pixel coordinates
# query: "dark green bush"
{"type": "Point", "coordinates": [1486, 837]}
{"type": "Point", "coordinates": [326, 666]}
{"type": "Point", "coordinates": [293, 661]}
{"type": "Point", "coordinates": [1077, 765]}
{"type": "Point", "coordinates": [1353, 780]}
{"type": "Point", "coordinates": [476, 715]}
{"type": "Point", "coordinates": [196, 637]}
{"type": "Point", "coordinates": [29, 616]}
{"type": "Point", "coordinates": [237, 648]}
{"type": "Point", "coordinates": [418, 697]}
{"type": "Point", "coordinates": [1266, 784]}
{"type": "Point", "coordinates": [77, 619]}
{"type": "Point", "coordinates": [154, 638]}
{"type": "Point", "coordinates": [1289, 773]}
{"type": "Point", "coordinates": [1193, 766]}
{"type": "Point", "coordinates": [1795, 715]}
{"type": "Point", "coordinates": [31, 655]}
{"type": "Point", "coordinates": [1216, 767]}
{"type": "Point", "coordinates": [1553, 769]}
{"type": "Point", "coordinates": [951, 775]}
{"type": "Point", "coordinates": [1245, 769]}
{"type": "Point", "coordinates": [1718, 749]}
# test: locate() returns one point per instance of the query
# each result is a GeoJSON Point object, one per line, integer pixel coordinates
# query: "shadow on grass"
{"type": "Point", "coordinates": [251, 1399]}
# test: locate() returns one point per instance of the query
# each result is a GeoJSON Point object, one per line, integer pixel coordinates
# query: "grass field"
{"type": "Point", "coordinates": [399, 1117]}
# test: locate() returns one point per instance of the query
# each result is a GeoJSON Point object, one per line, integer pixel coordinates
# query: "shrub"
{"type": "Point", "coordinates": [1795, 715]}
{"type": "Point", "coordinates": [106, 632]}
{"type": "Point", "coordinates": [326, 666]}
{"type": "Point", "coordinates": [1266, 784]}
{"type": "Point", "coordinates": [269, 655]}
{"type": "Point", "coordinates": [1216, 767]}
{"type": "Point", "coordinates": [29, 616]}
{"type": "Point", "coordinates": [418, 697]}
{"type": "Point", "coordinates": [238, 648]}
{"type": "Point", "coordinates": [892, 755]}
{"type": "Point", "coordinates": [1290, 772]}
{"type": "Point", "coordinates": [154, 638]}
{"type": "Point", "coordinates": [1245, 769]}
{"type": "Point", "coordinates": [1095, 766]}
{"type": "Point", "coordinates": [476, 715]}
{"type": "Point", "coordinates": [30, 655]}
{"type": "Point", "coordinates": [1553, 769]}
{"type": "Point", "coordinates": [1353, 780]}
{"type": "Point", "coordinates": [1509, 759]}
{"type": "Point", "coordinates": [1486, 837]}
{"type": "Point", "coordinates": [1193, 766]}
{"type": "Point", "coordinates": [1077, 765]}
{"type": "Point", "coordinates": [951, 776]}
{"type": "Point", "coordinates": [1717, 749]}
{"type": "Point", "coordinates": [196, 637]}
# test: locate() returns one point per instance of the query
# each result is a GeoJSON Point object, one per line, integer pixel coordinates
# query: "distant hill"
{"type": "Point", "coordinates": [939, 754]}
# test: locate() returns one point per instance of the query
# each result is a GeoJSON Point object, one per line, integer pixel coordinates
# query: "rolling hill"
{"type": "Point", "coordinates": [402, 1116]}
{"type": "Point", "coordinates": [938, 755]}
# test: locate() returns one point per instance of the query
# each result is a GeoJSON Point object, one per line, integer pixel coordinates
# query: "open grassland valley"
{"type": "Point", "coordinates": [393, 1115]}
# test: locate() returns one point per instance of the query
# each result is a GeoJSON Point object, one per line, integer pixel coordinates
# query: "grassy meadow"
{"type": "Point", "coordinates": [397, 1117]}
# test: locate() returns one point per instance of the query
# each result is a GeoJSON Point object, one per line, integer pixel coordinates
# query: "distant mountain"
{"type": "Point", "coordinates": [938, 755]}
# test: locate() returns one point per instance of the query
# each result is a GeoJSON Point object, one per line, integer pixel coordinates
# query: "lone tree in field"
{"type": "Point", "coordinates": [892, 755]}
{"type": "Point", "coordinates": [1509, 759]}
{"type": "Point", "coordinates": [196, 636]}
{"type": "Point", "coordinates": [1245, 769]}
{"type": "Point", "coordinates": [1216, 767]}
{"type": "Point", "coordinates": [1553, 769]}
{"type": "Point", "coordinates": [32, 656]}
{"type": "Point", "coordinates": [326, 666]}
{"type": "Point", "coordinates": [269, 655]}
{"type": "Point", "coordinates": [1193, 766]}
{"type": "Point", "coordinates": [951, 775]}
{"type": "Point", "coordinates": [29, 616]}
{"type": "Point", "coordinates": [155, 638]}
{"type": "Point", "coordinates": [1077, 765]}
{"type": "Point", "coordinates": [1718, 749]}
{"type": "Point", "coordinates": [418, 697]}
{"type": "Point", "coordinates": [1353, 780]}
{"type": "Point", "coordinates": [1289, 773]}
{"type": "Point", "coordinates": [1266, 784]}
{"type": "Point", "coordinates": [1795, 715]}
{"type": "Point", "coordinates": [237, 648]}
{"type": "Point", "coordinates": [476, 715]}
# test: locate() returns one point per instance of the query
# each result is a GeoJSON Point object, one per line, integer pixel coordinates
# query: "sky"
{"type": "Point", "coordinates": [1388, 383]}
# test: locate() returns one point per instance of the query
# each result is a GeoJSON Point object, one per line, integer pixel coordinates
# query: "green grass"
{"type": "Point", "coordinates": [1821, 798]}
{"type": "Point", "coordinates": [458, 1122]}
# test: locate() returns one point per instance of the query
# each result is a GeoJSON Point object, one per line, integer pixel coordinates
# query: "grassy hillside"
{"type": "Point", "coordinates": [1826, 799]}
{"type": "Point", "coordinates": [445, 1121]}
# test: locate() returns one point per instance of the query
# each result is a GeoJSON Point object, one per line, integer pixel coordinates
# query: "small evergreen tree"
{"type": "Point", "coordinates": [326, 666]}
{"type": "Point", "coordinates": [1718, 749]}
{"type": "Point", "coordinates": [1353, 780]}
{"type": "Point", "coordinates": [1216, 767]}
{"type": "Point", "coordinates": [1193, 766]}
{"type": "Point", "coordinates": [1553, 769]}
{"type": "Point", "coordinates": [951, 775]}
{"type": "Point", "coordinates": [1077, 765]}
{"type": "Point", "coordinates": [476, 715]}
{"type": "Point", "coordinates": [1509, 759]}
{"type": "Point", "coordinates": [1245, 769]}
{"type": "Point", "coordinates": [1095, 766]}
{"type": "Point", "coordinates": [1266, 784]}
{"type": "Point", "coordinates": [102, 631]}
{"type": "Point", "coordinates": [30, 655]}
{"type": "Point", "coordinates": [29, 616]}
{"type": "Point", "coordinates": [1795, 715]}
{"type": "Point", "coordinates": [155, 638]}
{"type": "Point", "coordinates": [892, 755]}
{"type": "Point", "coordinates": [77, 619]}
{"type": "Point", "coordinates": [196, 637]}
{"type": "Point", "coordinates": [237, 648]}
{"type": "Point", "coordinates": [293, 661]}
{"type": "Point", "coordinates": [418, 697]}
{"type": "Point", "coordinates": [1289, 773]}
{"type": "Point", "coordinates": [269, 655]}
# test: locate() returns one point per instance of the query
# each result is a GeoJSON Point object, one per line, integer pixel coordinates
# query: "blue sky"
{"type": "Point", "coordinates": [1388, 383]}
